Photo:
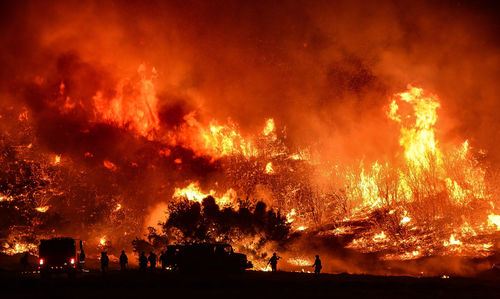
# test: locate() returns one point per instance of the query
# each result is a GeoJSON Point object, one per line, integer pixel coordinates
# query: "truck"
{"type": "Point", "coordinates": [206, 257]}
{"type": "Point", "coordinates": [58, 255]}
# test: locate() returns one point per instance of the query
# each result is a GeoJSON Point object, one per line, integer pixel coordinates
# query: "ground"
{"type": "Point", "coordinates": [251, 284]}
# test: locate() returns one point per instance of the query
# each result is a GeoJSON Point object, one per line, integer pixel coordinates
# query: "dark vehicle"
{"type": "Point", "coordinates": [204, 257]}
{"type": "Point", "coordinates": [58, 255]}
{"type": "Point", "coordinates": [172, 256]}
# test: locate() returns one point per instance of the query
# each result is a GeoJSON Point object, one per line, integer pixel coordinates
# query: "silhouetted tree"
{"type": "Point", "coordinates": [207, 222]}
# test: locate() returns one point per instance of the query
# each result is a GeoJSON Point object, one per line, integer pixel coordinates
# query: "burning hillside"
{"type": "Point", "coordinates": [306, 144]}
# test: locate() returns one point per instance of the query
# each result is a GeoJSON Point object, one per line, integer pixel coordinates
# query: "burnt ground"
{"type": "Point", "coordinates": [251, 284]}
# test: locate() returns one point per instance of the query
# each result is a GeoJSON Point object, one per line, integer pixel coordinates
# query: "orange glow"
{"type": "Point", "coordinates": [42, 209]}
{"type": "Point", "coordinates": [418, 137]}
{"type": "Point", "coordinates": [300, 261]}
{"type": "Point", "coordinates": [269, 128]}
{"type": "Point", "coordinates": [269, 168]}
{"type": "Point", "coordinates": [225, 141]}
{"type": "Point", "coordinates": [193, 193]}
{"type": "Point", "coordinates": [6, 198]}
{"type": "Point", "coordinates": [109, 165]}
{"type": "Point", "coordinates": [452, 241]}
{"type": "Point", "coordinates": [494, 220]}
{"type": "Point", "coordinates": [136, 110]}
{"type": "Point", "coordinates": [340, 129]}
{"type": "Point", "coordinates": [19, 247]}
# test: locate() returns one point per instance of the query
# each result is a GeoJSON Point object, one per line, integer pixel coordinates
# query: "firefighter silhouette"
{"type": "Point", "coordinates": [152, 260]}
{"type": "Point", "coordinates": [317, 265]}
{"type": "Point", "coordinates": [82, 258]}
{"type": "Point", "coordinates": [123, 261]}
{"type": "Point", "coordinates": [273, 261]}
{"type": "Point", "coordinates": [163, 260]}
{"type": "Point", "coordinates": [143, 261]}
{"type": "Point", "coordinates": [104, 262]}
{"type": "Point", "coordinates": [25, 261]}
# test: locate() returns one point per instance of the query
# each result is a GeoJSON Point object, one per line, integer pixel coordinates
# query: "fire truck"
{"type": "Point", "coordinates": [206, 257]}
{"type": "Point", "coordinates": [59, 255]}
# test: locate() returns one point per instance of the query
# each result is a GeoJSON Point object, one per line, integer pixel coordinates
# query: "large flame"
{"type": "Point", "coordinates": [429, 200]}
{"type": "Point", "coordinates": [133, 106]}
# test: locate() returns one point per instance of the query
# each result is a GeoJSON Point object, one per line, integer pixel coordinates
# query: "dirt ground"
{"type": "Point", "coordinates": [251, 284]}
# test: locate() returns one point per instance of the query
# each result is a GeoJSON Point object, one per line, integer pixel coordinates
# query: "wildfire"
{"type": "Point", "coordinates": [494, 220]}
{"type": "Point", "coordinates": [42, 209]}
{"type": "Point", "coordinates": [418, 138]}
{"type": "Point", "coordinates": [269, 168]}
{"type": "Point", "coordinates": [290, 217]}
{"type": "Point", "coordinates": [405, 219]}
{"type": "Point", "coordinates": [380, 237]}
{"type": "Point", "coordinates": [219, 140]}
{"type": "Point", "coordinates": [452, 241]}
{"type": "Point", "coordinates": [135, 110]}
{"type": "Point", "coordinates": [6, 198]}
{"type": "Point", "coordinates": [193, 193]}
{"type": "Point", "coordinates": [305, 139]}
{"type": "Point", "coordinates": [227, 141]}
{"type": "Point", "coordinates": [427, 177]}
{"type": "Point", "coordinates": [412, 205]}
{"type": "Point", "coordinates": [269, 128]}
{"type": "Point", "coordinates": [109, 165]}
{"type": "Point", "coordinates": [300, 261]}
{"type": "Point", "coordinates": [19, 247]}
{"type": "Point", "coordinates": [425, 173]}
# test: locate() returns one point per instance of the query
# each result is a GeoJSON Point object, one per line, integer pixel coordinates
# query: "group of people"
{"type": "Point", "coordinates": [152, 260]}
{"type": "Point", "coordinates": [143, 261]}
{"type": "Point", "coordinates": [273, 261]}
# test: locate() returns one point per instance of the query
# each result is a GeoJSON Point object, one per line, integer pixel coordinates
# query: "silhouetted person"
{"type": "Point", "coordinates": [317, 265]}
{"type": "Point", "coordinates": [104, 262]}
{"type": "Point", "coordinates": [25, 261]}
{"type": "Point", "coordinates": [82, 259]}
{"type": "Point", "coordinates": [123, 261]}
{"type": "Point", "coordinates": [163, 260]}
{"type": "Point", "coordinates": [143, 262]}
{"type": "Point", "coordinates": [274, 262]}
{"type": "Point", "coordinates": [152, 260]}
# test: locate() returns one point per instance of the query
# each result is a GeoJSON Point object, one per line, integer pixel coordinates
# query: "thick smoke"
{"type": "Point", "coordinates": [324, 69]}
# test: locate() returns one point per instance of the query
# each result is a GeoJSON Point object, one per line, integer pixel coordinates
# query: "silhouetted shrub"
{"type": "Point", "coordinates": [207, 222]}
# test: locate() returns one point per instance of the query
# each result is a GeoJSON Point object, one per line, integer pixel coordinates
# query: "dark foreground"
{"type": "Point", "coordinates": [134, 284]}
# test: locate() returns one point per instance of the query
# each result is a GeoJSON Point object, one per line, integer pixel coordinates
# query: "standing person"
{"type": "Point", "coordinates": [317, 266]}
{"type": "Point", "coordinates": [274, 262]}
{"type": "Point", "coordinates": [25, 261]}
{"type": "Point", "coordinates": [82, 259]}
{"type": "Point", "coordinates": [123, 261]}
{"type": "Point", "coordinates": [163, 260]}
{"type": "Point", "coordinates": [104, 262]}
{"type": "Point", "coordinates": [152, 260]}
{"type": "Point", "coordinates": [143, 261]}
